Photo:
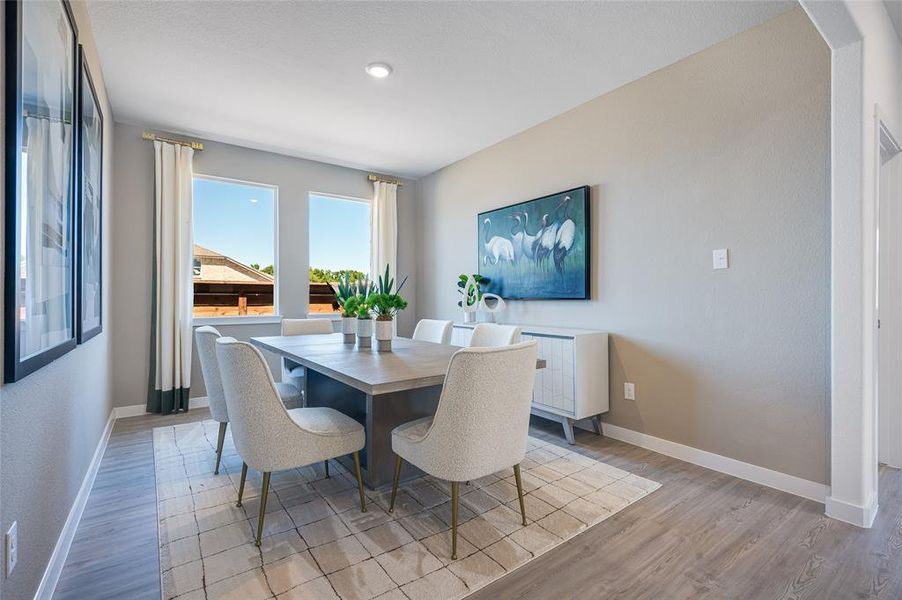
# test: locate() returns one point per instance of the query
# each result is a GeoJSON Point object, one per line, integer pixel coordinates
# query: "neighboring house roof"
{"type": "Point", "coordinates": [218, 268]}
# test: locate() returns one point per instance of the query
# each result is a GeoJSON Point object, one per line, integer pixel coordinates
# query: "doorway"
{"type": "Point", "coordinates": [889, 297]}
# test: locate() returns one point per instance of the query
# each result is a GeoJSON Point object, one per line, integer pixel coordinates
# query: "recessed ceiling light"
{"type": "Point", "coordinates": [378, 70]}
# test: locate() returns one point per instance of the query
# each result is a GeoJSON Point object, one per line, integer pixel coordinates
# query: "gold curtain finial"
{"type": "Point", "coordinates": [373, 177]}
{"type": "Point", "coordinates": [154, 137]}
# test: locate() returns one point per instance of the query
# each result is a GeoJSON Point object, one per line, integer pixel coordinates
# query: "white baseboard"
{"type": "Point", "coordinates": [64, 542]}
{"type": "Point", "coordinates": [862, 516]}
{"type": "Point", "coordinates": [760, 475]}
{"type": "Point", "coordinates": [136, 410]}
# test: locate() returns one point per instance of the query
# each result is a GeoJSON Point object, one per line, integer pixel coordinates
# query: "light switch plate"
{"type": "Point", "coordinates": [629, 391]}
{"type": "Point", "coordinates": [721, 259]}
{"type": "Point", "coordinates": [12, 548]}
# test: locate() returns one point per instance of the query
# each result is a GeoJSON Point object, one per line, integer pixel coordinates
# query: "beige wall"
{"type": "Point", "coordinates": [728, 148]}
{"type": "Point", "coordinates": [132, 250]}
{"type": "Point", "coordinates": [52, 421]}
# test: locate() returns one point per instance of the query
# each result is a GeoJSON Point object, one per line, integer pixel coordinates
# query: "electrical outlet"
{"type": "Point", "coordinates": [12, 548]}
{"type": "Point", "coordinates": [629, 391]}
{"type": "Point", "coordinates": [721, 259]}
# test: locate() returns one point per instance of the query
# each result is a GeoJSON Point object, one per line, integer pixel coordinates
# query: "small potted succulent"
{"type": "Point", "coordinates": [348, 301]}
{"type": "Point", "coordinates": [469, 286]}
{"type": "Point", "coordinates": [362, 308]}
{"type": "Point", "coordinates": [384, 305]}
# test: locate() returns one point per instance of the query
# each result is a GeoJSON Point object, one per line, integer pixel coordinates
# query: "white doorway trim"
{"type": "Point", "coordinates": [853, 460]}
{"type": "Point", "coordinates": [888, 417]}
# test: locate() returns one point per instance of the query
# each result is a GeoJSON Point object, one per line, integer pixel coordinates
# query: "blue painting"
{"type": "Point", "coordinates": [539, 249]}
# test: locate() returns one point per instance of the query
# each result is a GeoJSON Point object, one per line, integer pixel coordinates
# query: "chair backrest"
{"type": "Point", "coordinates": [481, 424]}
{"type": "Point", "coordinates": [306, 326]}
{"type": "Point", "coordinates": [206, 337]}
{"type": "Point", "coordinates": [261, 427]}
{"type": "Point", "coordinates": [431, 330]}
{"type": "Point", "coordinates": [490, 334]}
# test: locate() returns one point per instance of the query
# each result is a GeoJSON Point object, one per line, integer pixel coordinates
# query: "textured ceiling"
{"type": "Point", "coordinates": [289, 77]}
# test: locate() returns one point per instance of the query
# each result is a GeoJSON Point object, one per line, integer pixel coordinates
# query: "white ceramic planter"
{"type": "Point", "coordinates": [349, 329]}
{"type": "Point", "coordinates": [364, 333]}
{"type": "Point", "coordinates": [385, 331]}
{"type": "Point", "coordinates": [469, 316]}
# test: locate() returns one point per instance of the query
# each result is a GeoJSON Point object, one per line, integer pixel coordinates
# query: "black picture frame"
{"type": "Point", "coordinates": [513, 290]}
{"type": "Point", "coordinates": [89, 231]}
{"type": "Point", "coordinates": [16, 366]}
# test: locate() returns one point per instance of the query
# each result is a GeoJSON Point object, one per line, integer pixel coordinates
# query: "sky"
{"type": "Point", "coordinates": [339, 233]}
{"type": "Point", "coordinates": [237, 219]}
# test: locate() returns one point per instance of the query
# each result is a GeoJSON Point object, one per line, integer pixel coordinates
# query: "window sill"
{"type": "Point", "coordinates": [244, 320]}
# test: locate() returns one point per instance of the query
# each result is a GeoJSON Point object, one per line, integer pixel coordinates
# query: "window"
{"type": "Point", "coordinates": [234, 248]}
{"type": "Point", "coordinates": [339, 242]}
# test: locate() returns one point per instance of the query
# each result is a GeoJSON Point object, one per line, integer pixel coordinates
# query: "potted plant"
{"type": "Point", "coordinates": [384, 305]}
{"type": "Point", "coordinates": [348, 302]}
{"type": "Point", "coordinates": [469, 286]}
{"type": "Point", "coordinates": [362, 308]}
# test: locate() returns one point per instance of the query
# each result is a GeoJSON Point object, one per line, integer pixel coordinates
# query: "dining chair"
{"type": "Point", "coordinates": [292, 372]}
{"type": "Point", "coordinates": [432, 330]}
{"type": "Point", "coordinates": [480, 426]}
{"type": "Point", "coordinates": [270, 438]}
{"type": "Point", "coordinates": [490, 334]}
{"type": "Point", "coordinates": [206, 337]}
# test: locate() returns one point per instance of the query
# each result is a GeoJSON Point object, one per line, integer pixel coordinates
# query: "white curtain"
{"type": "Point", "coordinates": [173, 279]}
{"type": "Point", "coordinates": [384, 229]}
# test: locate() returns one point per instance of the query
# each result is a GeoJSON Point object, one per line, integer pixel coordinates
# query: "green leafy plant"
{"type": "Point", "coordinates": [472, 297]}
{"type": "Point", "coordinates": [345, 291]}
{"type": "Point", "coordinates": [387, 301]}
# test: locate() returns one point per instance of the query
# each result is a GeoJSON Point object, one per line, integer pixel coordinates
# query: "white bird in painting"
{"type": "Point", "coordinates": [563, 240]}
{"type": "Point", "coordinates": [497, 248]}
{"type": "Point", "coordinates": [545, 238]}
{"type": "Point", "coordinates": [523, 242]}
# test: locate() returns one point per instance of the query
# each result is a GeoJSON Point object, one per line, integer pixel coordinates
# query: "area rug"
{"type": "Point", "coordinates": [317, 544]}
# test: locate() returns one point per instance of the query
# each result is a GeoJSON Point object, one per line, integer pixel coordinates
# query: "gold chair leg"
{"type": "Point", "coordinates": [520, 492]}
{"type": "Point", "coordinates": [359, 481]}
{"type": "Point", "coordinates": [394, 484]}
{"type": "Point", "coordinates": [264, 494]}
{"type": "Point", "coordinates": [219, 444]}
{"type": "Point", "coordinates": [455, 496]}
{"type": "Point", "coordinates": [241, 486]}
{"type": "Point", "coordinates": [326, 463]}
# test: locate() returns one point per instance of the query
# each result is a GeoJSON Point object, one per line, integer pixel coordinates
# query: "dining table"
{"type": "Point", "coordinates": [380, 390]}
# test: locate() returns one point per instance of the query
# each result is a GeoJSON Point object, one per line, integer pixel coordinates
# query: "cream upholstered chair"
{"type": "Point", "coordinates": [431, 330]}
{"type": "Point", "coordinates": [490, 334]}
{"type": "Point", "coordinates": [292, 372]}
{"type": "Point", "coordinates": [206, 337]}
{"type": "Point", "coordinates": [268, 437]}
{"type": "Point", "coordinates": [481, 424]}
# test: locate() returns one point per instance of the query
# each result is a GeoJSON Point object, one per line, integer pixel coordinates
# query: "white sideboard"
{"type": "Point", "coordinates": [574, 383]}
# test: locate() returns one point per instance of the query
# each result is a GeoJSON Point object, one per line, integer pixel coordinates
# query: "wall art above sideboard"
{"type": "Point", "coordinates": [538, 249]}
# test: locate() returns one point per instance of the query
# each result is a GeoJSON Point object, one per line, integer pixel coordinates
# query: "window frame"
{"type": "Point", "coordinates": [276, 317]}
{"type": "Point", "coordinates": [369, 202]}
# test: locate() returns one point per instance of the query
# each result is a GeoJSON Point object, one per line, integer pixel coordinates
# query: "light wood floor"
{"type": "Point", "coordinates": [702, 535]}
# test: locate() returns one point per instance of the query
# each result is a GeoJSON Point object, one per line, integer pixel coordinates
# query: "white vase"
{"type": "Point", "coordinates": [364, 333]}
{"type": "Point", "coordinates": [469, 316]}
{"type": "Point", "coordinates": [349, 329]}
{"type": "Point", "coordinates": [385, 331]}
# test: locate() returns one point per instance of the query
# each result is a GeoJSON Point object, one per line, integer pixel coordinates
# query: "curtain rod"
{"type": "Point", "coordinates": [153, 137]}
{"type": "Point", "coordinates": [372, 177]}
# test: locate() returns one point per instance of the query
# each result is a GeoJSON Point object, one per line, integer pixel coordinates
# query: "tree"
{"type": "Point", "coordinates": [255, 266]}
{"type": "Point", "coordinates": [270, 270]}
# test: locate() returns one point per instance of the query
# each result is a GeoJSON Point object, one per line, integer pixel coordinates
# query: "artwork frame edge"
{"type": "Point", "coordinates": [14, 368]}
{"type": "Point", "coordinates": [587, 189]}
{"type": "Point", "coordinates": [82, 334]}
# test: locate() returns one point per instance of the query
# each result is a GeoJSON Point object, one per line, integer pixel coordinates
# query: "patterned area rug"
{"type": "Point", "coordinates": [317, 544]}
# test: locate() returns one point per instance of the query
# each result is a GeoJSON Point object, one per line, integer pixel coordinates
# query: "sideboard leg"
{"type": "Point", "coordinates": [596, 424]}
{"type": "Point", "coordinates": [567, 422]}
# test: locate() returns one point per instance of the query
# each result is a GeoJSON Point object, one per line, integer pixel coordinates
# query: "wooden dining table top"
{"type": "Point", "coordinates": [410, 365]}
